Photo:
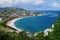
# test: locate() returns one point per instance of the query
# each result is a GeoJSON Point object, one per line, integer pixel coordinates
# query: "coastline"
{"type": "Point", "coordinates": [11, 24]}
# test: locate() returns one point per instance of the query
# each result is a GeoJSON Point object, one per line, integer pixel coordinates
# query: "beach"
{"type": "Point", "coordinates": [11, 24]}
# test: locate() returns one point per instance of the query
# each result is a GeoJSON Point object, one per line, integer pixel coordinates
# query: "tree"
{"type": "Point", "coordinates": [4, 36]}
{"type": "Point", "coordinates": [39, 36]}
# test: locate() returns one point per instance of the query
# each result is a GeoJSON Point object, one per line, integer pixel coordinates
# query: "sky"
{"type": "Point", "coordinates": [32, 4]}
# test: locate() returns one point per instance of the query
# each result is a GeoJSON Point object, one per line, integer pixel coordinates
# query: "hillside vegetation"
{"type": "Point", "coordinates": [11, 13]}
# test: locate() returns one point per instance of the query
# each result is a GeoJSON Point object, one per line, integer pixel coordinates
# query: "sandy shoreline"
{"type": "Point", "coordinates": [11, 24]}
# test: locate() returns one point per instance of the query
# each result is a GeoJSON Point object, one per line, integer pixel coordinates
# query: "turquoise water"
{"type": "Point", "coordinates": [36, 23]}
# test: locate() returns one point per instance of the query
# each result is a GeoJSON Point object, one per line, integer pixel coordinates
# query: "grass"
{"type": "Point", "coordinates": [4, 27]}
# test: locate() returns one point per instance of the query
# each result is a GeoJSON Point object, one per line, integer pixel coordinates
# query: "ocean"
{"type": "Point", "coordinates": [35, 24]}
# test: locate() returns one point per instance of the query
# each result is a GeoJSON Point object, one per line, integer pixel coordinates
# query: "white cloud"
{"type": "Point", "coordinates": [14, 2]}
{"type": "Point", "coordinates": [26, 1]}
{"type": "Point", "coordinates": [38, 2]}
{"type": "Point", "coordinates": [23, 1]}
{"type": "Point", "coordinates": [55, 4]}
{"type": "Point", "coordinates": [6, 3]}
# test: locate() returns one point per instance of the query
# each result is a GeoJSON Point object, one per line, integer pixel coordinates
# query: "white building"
{"type": "Point", "coordinates": [0, 19]}
{"type": "Point", "coordinates": [48, 30]}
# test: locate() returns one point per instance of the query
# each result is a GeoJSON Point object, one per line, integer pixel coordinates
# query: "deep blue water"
{"type": "Point", "coordinates": [36, 23]}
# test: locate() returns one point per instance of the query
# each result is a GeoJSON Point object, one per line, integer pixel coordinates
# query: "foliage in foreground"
{"type": "Point", "coordinates": [55, 35]}
{"type": "Point", "coordinates": [13, 36]}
